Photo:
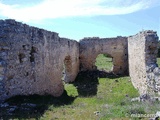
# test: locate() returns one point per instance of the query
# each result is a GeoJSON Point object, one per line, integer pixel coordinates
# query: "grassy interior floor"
{"type": "Point", "coordinates": [90, 97]}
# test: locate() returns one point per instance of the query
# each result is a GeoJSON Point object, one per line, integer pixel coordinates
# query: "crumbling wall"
{"type": "Point", "coordinates": [32, 59]}
{"type": "Point", "coordinates": [143, 70]}
{"type": "Point", "coordinates": [69, 59]}
{"type": "Point", "coordinates": [117, 48]}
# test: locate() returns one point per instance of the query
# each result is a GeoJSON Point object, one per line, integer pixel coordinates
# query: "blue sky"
{"type": "Point", "coordinates": [76, 19]}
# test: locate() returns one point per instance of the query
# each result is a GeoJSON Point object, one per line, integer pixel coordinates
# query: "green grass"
{"type": "Point", "coordinates": [158, 61]}
{"type": "Point", "coordinates": [111, 96]}
{"type": "Point", "coordinates": [90, 97]}
{"type": "Point", "coordinates": [104, 63]}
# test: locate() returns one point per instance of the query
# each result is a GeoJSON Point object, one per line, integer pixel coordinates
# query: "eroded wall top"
{"type": "Point", "coordinates": [117, 48]}
{"type": "Point", "coordinates": [32, 60]}
{"type": "Point", "coordinates": [142, 62]}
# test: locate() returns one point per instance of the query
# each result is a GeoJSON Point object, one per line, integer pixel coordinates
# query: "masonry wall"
{"type": "Point", "coordinates": [143, 70]}
{"type": "Point", "coordinates": [117, 48]}
{"type": "Point", "coordinates": [32, 60]}
{"type": "Point", "coordinates": [35, 61]}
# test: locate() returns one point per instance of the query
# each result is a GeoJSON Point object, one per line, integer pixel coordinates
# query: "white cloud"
{"type": "Point", "coordinates": [66, 8]}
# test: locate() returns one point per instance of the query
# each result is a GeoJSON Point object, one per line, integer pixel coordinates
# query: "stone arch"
{"type": "Point", "coordinates": [117, 48]}
{"type": "Point", "coordinates": [109, 67]}
{"type": "Point", "coordinates": [116, 59]}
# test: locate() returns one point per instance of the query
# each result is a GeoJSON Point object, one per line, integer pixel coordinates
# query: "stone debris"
{"type": "Point", "coordinates": [97, 113]}
{"type": "Point", "coordinates": [158, 113]}
{"type": "Point", "coordinates": [157, 116]}
{"type": "Point", "coordinates": [135, 99]}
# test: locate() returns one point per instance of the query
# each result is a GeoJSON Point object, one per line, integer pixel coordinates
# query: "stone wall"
{"type": "Point", "coordinates": [143, 70]}
{"type": "Point", "coordinates": [117, 48]}
{"type": "Point", "coordinates": [35, 61]}
{"type": "Point", "coordinates": [32, 60]}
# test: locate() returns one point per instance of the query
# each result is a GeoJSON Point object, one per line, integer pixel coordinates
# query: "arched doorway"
{"type": "Point", "coordinates": [104, 62]}
{"type": "Point", "coordinates": [67, 69]}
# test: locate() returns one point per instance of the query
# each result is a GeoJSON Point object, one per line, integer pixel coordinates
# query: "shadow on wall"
{"type": "Point", "coordinates": [33, 106]}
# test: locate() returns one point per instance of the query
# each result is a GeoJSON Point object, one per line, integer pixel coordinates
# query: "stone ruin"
{"type": "Point", "coordinates": [32, 60]}
{"type": "Point", "coordinates": [143, 69]}
{"type": "Point", "coordinates": [116, 48]}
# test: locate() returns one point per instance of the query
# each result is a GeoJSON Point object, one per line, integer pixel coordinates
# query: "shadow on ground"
{"type": "Point", "coordinates": [87, 81]}
{"type": "Point", "coordinates": [34, 106]}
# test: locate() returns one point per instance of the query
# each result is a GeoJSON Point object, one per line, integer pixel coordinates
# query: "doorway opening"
{"type": "Point", "coordinates": [67, 68]}
{"type": "Point", "coordinates": [104, 62]}
{"type": "Point", "coordinates": [69, 88]}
